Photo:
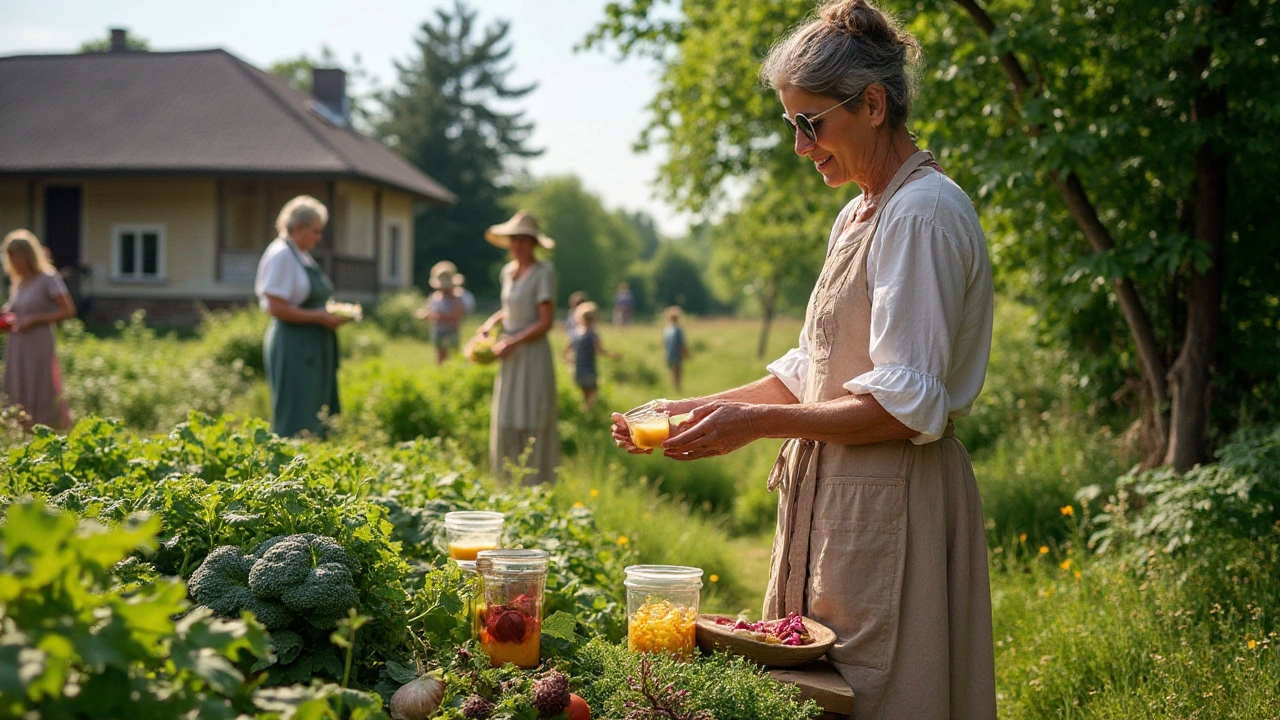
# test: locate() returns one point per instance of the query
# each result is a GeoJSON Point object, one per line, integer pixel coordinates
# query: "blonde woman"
{"type": "Point", "coordinates": [38, 300]}
{"type": "Point", "coordinates": [524, 395]}
{"type": "Point", "coordinates": [301, 345]}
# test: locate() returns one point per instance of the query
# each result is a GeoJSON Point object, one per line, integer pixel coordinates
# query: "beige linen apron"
{"type": "Point", "coordinates": [883, 543]}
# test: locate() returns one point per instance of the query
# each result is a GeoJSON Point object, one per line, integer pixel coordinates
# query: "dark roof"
{"type": "Point", "coordinates": [200, 112]}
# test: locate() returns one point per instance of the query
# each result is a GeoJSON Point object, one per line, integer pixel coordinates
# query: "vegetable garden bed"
{"type": "Point", "coordinates": [105, 530]}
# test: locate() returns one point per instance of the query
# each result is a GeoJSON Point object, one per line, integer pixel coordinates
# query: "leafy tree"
{"type": "Point", "coordinates": [677, 280]}
{"type": "Point", "coordinates": [646, 231]}
{"type": "Point", "coordinates": [443, 117]}
{"type": "Point", "coordinates": [1117, 151]}
{"type": "Point", "coordinates": [594, 247]}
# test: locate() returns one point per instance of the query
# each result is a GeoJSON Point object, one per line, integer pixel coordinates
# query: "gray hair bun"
{"type": "Point", "coordinates": [860, 19]}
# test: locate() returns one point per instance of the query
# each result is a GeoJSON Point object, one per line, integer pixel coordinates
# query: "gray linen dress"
{"type": "Point", "coordinates": [524, 394]}
{"type": "Point", "coordinates": [32, 378]}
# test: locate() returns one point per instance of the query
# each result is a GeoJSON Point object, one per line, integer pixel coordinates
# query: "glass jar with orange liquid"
{"type": "Point", "coordinates": [650, 427]}
{"type": "Point", "coordinates": [469, 532]}
{"type": "Point", "coordinates": [662, 608]}
{"type": "Point", "coordinates": [509, 616]}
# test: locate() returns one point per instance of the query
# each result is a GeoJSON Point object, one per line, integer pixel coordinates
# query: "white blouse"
{"type": "Point", "coordinates": [929, 282]}
{"type": "Point", "coordinates": [280, 274]}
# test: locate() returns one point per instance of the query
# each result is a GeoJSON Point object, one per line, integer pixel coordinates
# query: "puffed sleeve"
{"type": "Point", "coordinates": [918, 276]}
{"type": "Point", "coordinates": [277, 276]}
{"type": "Point", "coordinates": [546, 289]}
{"type": "Point", "coordinates": [793, 368]}
{"type": "Point", "coordinates": [55, 288]}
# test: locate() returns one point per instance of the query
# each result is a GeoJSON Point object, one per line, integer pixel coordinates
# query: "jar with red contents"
{"type": "Point", "coordinates": [509, 616]}
{"type": "Point", "coordinates": [7, 321]}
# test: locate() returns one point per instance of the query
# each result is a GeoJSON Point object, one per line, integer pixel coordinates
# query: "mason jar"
{"type": "Point", "coordinates": [509, 615]}
{"type": "Point", "coordinates": [468, 532]}
{"type": "Point", "coordinates": [662, 608]}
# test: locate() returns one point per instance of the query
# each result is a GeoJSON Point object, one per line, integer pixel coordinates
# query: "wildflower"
{"type": "Point", "coordinates": [1067, 510]}
{"type": "Point", "coordinates": [595, 492]}
{"type": "Point", "coordinates": [1077, 574]}
{"type": "Point", "coordinates": [1065, 564]}
{"type": "Point", "coordinates": [1022, 538]}
{"type": "Point", "coordinates": [716, 578]}
{"type": "Point", "coordinates": [1253, 644]}
{"type": "Point", "coordinates": [578, 506]}
{"type": "Point", "coordinates": [1044, 549]}
{"type": "Point", "coordinates": [623, 540]}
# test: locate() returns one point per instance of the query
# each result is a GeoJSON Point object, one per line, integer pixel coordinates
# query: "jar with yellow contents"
{"type": "Point", "coordinates": [662, 608]}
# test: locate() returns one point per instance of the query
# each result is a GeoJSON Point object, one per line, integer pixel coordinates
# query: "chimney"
{"type": "Point", "coordinates": [329, 89]}
{"type": "Point", "coordinates": [119, 40]}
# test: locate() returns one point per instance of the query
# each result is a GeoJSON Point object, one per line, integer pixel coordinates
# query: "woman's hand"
{"type": "Point", "coordinates": [622, 436]}
{"type": "Point", "coordinates": [23, 324]}
{"type": "Point", "coordinates": [503, 348]}
{"type": "Point", "coordinates": [716, 428]}
{"type": "Point", "coordinates": [331, 321]}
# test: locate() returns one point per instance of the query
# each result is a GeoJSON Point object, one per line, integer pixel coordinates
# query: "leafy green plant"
{"type": "Point", "coordinates": [76, 645]}
{"type": "Point", "coordinates": [396, 315]}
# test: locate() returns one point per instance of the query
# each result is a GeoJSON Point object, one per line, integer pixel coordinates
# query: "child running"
{"type": "Point", "coordinates": [674, 346]}
{"type": "Point", "coordinates": [582, 351]}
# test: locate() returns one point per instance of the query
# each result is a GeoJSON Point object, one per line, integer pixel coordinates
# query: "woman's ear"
{"type": "Point", "coordinates": [877, 104]}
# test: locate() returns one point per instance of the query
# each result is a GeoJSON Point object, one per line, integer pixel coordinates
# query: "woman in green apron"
{"type": "Point", "coordinates": [300, 349]}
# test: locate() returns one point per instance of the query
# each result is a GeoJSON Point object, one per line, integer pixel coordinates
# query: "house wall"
{"type": "Point", "coordinates": [355, 214]}
{"type": "Point", "coordinates": [14, 206]}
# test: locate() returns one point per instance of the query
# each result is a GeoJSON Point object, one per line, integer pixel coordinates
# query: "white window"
{"type": "Point", "coordinates": [137, 253]}
{"type": "Point", "coordinates": [394, 252]}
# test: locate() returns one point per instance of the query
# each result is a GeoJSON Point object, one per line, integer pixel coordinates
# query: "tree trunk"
{"type": "Point", "coordinates": [769, 299]}
{"type": "Point", "coordinates": [1189, 376]}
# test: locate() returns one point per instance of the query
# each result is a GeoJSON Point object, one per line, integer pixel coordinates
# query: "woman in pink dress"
{"type": "Point", "coordinates": [38, 300]}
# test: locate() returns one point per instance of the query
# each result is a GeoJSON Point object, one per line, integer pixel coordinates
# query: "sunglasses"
{"type": "Point", "coordinates": [807, 125]}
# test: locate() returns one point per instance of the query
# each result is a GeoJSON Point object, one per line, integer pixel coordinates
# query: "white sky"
{"type": "Point", "coordinates": [588, 109]}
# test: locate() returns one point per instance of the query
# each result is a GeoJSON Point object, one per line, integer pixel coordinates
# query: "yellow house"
{"type": "Point", "coordinates": [155, 178]}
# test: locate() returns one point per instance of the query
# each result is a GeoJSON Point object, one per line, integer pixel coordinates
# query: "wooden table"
{"type": "Point", "coordinates": [821, 683]}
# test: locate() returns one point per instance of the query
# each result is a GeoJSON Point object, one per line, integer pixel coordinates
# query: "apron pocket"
{"type": "Point", "coordinates": [857, 551]}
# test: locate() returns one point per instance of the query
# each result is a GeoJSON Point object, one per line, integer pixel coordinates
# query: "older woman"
{"type": "Point", "coordinates": [38, 301]}
{"type": "Point", "coordinates": [880, 533]}
{"type": "Point", "coordinates": [301, 346]}
{"type": "Point", "coordinates": [524, 394]}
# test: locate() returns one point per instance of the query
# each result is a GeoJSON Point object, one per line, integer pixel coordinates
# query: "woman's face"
{"type": "Point", "coordinates": [845, 135]}
{"type": "Point", "coordinates": [19, 263]}
{"type": "Point", "coordinates": [306, 237]}
{"type": "Point", "coordinates": [522, 248]}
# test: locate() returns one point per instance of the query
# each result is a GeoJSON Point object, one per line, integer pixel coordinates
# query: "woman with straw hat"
{"type": "Point", "coordinates": [524, 394]}
{"type": "Point", "coordinates": [445, 309]}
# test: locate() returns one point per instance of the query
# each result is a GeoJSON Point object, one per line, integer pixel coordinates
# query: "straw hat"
{"type": "Point", "coordinates": [584, 309]}
{"type": "Point", "coordinates": [442, 269]}
{"type": "Point", "coordinates": [522, 223]}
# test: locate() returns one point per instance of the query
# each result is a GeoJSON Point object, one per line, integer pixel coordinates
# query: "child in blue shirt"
{"type": "Point", "coordinates": [674, 346]}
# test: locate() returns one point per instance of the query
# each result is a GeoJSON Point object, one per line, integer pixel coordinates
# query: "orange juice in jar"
{"type": "Point", "coordinates": [468, 533]}
{"type": "Point", "coordinates": [648, 426]}
{"type": "Point", "coordinates": [510, 620]}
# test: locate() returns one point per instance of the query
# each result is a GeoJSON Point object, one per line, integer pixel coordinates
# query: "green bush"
{"type": "Point", "coordinates": [235, 336]}
{"type": "Point", "coordinates": [146, 381]}
{"type": "Point", "coordinates": [395, 314]}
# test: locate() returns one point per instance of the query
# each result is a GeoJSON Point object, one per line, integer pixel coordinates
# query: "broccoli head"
{"type": "Point", "coordinates": [221, 583]}
{"type": "Point", "coordinates": [308, 574]}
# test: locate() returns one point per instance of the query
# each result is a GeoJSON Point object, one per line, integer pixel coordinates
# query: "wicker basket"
{"type": "Point", "coordinates": [713, 637]}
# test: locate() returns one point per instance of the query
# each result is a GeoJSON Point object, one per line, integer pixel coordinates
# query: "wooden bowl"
{"type": "Point", "coordinates": [713, 637]}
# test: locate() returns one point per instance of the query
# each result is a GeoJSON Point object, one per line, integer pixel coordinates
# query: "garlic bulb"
{"type": "Point", "coordinates": [417, 700]}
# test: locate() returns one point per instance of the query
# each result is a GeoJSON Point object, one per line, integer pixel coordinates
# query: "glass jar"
{"type": "Point", "coordinates": [509, 615]}
{"type": "Point", "coordinates": [662, 608]}
{"type": "Point", "coordinates": [648, 426]}
{"type": "Point", "coordinates": [470, 531]}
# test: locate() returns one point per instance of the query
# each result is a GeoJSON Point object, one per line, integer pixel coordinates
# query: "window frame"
{"type": "Point", "coordinates": [395, 254]}
{"type": "Point", "coordinates": [118, 230]}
